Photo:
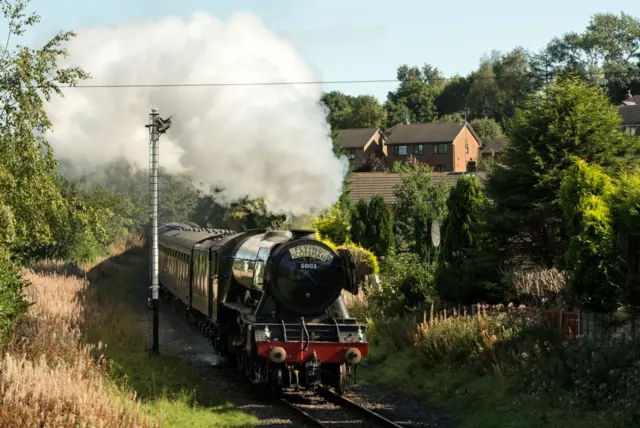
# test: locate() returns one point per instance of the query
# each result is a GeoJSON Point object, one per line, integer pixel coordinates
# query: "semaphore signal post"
{"type": "Point", "coordinates": [157, 126]}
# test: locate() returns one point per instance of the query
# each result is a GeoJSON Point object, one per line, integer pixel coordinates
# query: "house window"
{"type": "Point", "coordinates": [631, 130]}
{"type": "Point", "coordinates": [466, 148]}
{"type": "Point", "coordinates": [350, 153]}
{"type": "Point", "coordinates": [440, 168]}
{"type": "Point", "coordinates": [440, 149]}
{"type": "Point", "coordinates": [400, 150]}
{"type": "Point", "coordinates": [418, 149]}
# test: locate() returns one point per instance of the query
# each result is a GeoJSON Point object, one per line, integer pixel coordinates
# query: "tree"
{"type": "Point", "coordinates": [345, 111]}
{"type": "Point", "coordinates": [379, 227]}
{"type": "Point", "coordinates": [606, 53]}
{"type": "Point", "coordinates": [417, 191]}
{"type": "Point", "coordinates": [333, 225]}
{"type": "Point", "coordinates": [358, 222]}
{"type": "Point", "coordinates": [567, 118]}
{"type": "Point", "coordinates": [339, 107]}
{"type": "Point", "coordinates": [590, 255]}
{"type": "Point", "coordinates": [487, 129]}
{"type": "Point", "coordinates": [501, 84]}
{"type": "Point", "coordinates": [366, 112]}
{"type": "Point", "coordinates": [461, 235]}
{"type": "Point", "coordinates": [414, 96]}
{"type": "Point", "coordinates": [453, 97]}
{"type": "Point", "coordinates": [30, 193]}
{"type": "Point", "coordinates": [32, 208]}
{"type": "Point", "coordinates": [449, 118]}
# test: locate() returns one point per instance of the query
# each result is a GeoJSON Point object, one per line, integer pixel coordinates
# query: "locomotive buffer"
{"type": "Point", "coordinates": [156, 126]}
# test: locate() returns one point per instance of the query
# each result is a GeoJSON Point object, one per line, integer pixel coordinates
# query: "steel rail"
{"type": "Point", "coordinates": [338, 399]}
{"type": "Point", "coordinates": [304, 414]}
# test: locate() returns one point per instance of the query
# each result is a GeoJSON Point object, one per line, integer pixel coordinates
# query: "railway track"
{"type": "Point", "coordinates": [329, 410]}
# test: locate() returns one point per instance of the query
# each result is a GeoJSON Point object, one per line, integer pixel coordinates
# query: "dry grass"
{"type": "Point", "coordinates": [56, 372]}
{"type": "Point", "coordinates": [49, 375]}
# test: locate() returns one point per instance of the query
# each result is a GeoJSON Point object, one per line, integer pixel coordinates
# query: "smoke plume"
{"type": "Point", "coordinates": [268, 142]}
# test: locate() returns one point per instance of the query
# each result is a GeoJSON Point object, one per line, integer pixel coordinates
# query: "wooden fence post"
{"type": "Point", "coordinates": [560, 323]}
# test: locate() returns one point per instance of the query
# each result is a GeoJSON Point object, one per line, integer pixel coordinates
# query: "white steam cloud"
{"type": "Point", "coordinates": [268, 142]}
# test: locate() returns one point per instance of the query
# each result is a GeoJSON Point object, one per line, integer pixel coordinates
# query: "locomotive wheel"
{"type": "Point", "coordinates": [341, 384]}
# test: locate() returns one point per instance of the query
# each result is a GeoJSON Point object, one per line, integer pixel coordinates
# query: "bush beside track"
{"type": "Point", "coordinates": [503, 370]}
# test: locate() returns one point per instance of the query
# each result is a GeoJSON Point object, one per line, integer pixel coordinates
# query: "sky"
{"type": "Point", "coordinates": [363, 40]}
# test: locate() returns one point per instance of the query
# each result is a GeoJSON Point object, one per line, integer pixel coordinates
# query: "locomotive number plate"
{"type": "Point", "coordinates": [308, 266]}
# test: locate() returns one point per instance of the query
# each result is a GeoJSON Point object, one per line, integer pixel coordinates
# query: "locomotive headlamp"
{"type": "Point", "coordinates": [360, 335]}
{"type": "Point", "coordinates": [278, 354]}
{"type": "Point", "coordinates": [353, 356]}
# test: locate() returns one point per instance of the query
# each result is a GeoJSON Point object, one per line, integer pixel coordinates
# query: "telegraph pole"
{"type": "Point", "coordinates": [156, 127]}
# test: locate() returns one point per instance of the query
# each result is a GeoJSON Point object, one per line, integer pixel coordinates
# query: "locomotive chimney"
{"type": "Point", "coordinates": [303, 233]}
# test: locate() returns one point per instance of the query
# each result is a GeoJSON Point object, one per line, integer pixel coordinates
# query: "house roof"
{"type": "Point", "coordinates": [427, 133]}
{"type": "Point", "coordinates": [366, 185]}
{"type": "Point", "coordinates": [631, 100]}
{"type": "Point", "coordinates": [355, 138]}
{"type": "Point", "coordinates": [424, 133]}
{"type": "Point", "coordinates": [495, 146]}
{"type": "Point", "coordinates": [630, 114]}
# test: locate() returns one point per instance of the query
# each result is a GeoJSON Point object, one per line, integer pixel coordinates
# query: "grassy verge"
{"type": "Point", "coordinates": [484, 372]}
{"type": "Point", "coordinates": [78, 358]}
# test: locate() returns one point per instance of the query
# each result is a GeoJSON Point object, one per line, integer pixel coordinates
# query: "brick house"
{"type": "Point", "coordinates": [366, 185]}
{"type": "Point", "coordinates": [447, 147]}
{"type": "Point", "coordinates": [630, 118]}
{"type": "Point", "coordinates": [360, 143]}
{"type": "Point", "coordinates": [492, 149]}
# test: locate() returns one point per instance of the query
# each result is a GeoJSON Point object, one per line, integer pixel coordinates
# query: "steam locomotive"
{"type": "Point", "coordinates": [269, 301]}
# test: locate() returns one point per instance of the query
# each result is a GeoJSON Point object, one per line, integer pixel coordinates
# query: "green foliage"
{"type": "Point", "coordinates": [413, 101]}
{"type": "Point", "coordinates": [462, 232]}
{"type": "Point", "coordinates": [625, 210]}
{"type": "Point", "coordinates": [422, 232]}
{"type": "Point", "coordinates": [379, 227]}
{"type": "Point", "coordinates": [590, 253]}
{"type": "Point", "coordinates": [406, 283]}
{"type": "Point", "coordinates": [372, 225]}
{"type": "Point", "coordinates": [501, 84]}
{"type": "Point", "coordinates": [12, 303]}
{"type": "Point", "coordinates": [487, 129]}
{"type": "Point", "coordinates": [333, 225]}
{"type": "Point", "coordinates": [366, 262]}
{"type": "Point", "coordinates": [605, 53]}
{"type": "Point", "coordinates": [418, 194]}
{"type": "Point", "coordinates": [358, 221]}
{"type": "Point", "coordinates": [566, 119]}
{"type": "Point", "coordinates": [346, 111]}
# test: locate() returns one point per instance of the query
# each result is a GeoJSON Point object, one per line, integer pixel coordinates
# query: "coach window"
{"type": "Point", "coordinates": [184, 266]}
{"type": "Point", "coordinates": [201, 274]}
{"type": "Point", "coordinates": [196, 271]}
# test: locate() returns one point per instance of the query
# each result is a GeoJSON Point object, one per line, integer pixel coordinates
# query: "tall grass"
{"type": "Point", "coordinates": [78, 357]}
{"type": "Point", "coordinates": [49, 375]}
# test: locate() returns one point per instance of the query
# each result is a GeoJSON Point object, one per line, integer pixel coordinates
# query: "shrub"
{"type": "Point", "coordinates": [12, 303]}
{"type": "Point", "coordinates": [406, 283]}
{"type": "Point", "coordinates": [333, 225]}
{"type": "Point", "coordinates": [366, 261]}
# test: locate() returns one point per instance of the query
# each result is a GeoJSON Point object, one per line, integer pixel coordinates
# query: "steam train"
{"type": "Point", "coordinates": [269, 301]}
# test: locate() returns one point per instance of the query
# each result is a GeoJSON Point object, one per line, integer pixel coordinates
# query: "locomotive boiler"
{"type": "Point", "coordinates": [269, 301]}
